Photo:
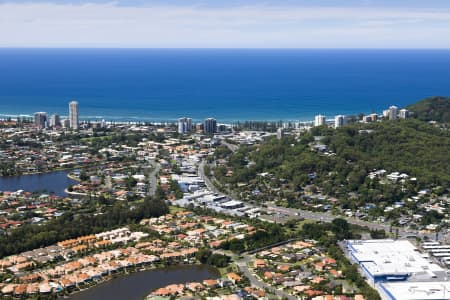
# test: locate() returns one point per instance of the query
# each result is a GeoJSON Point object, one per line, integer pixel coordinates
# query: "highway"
{"type": "Point", "coordinates": [323, 216]}
{"type": "Point", "coordinates": [328, 217]}
{"type": "Point", "coordinates": [289, 213]}
{"type": "Point", "coordinates": [295, 213]}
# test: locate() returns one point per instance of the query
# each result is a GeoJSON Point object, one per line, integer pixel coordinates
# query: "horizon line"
{"type": "Point", "coordinates": [213, 48]}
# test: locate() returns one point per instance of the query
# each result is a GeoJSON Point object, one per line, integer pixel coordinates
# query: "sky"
{"type": "Point", "coordinates": [225, 24]}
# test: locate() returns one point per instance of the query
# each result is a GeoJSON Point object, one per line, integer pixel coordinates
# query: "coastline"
{"type": "Point", "coordinates": [230, 86]}
{"type": "Point", "coordinates": [174, 119]}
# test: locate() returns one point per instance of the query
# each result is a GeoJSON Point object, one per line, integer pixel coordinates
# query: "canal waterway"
{"type": "Point", "coordinates": [53, 182]}
{"type": "Point", "coordinates": [137, 285]}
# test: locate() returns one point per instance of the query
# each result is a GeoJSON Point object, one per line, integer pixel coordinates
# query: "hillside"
{"type": "Point", "coordinates": [432, 109]}
{"type": "Point", "coordinates": [406, 146]}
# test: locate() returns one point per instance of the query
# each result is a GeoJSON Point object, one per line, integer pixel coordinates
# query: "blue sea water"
{"type": "Point", "coordinates": [235, 84]}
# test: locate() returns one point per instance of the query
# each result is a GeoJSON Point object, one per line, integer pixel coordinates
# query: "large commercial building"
{"type": "Point", "coordinates": [40, 120]}
{"type": "Point", "coordinates": [210, 126]}
{"type": "Point", "coordinates": [398, 270]}
{"type": "Point", "coordinates": [73, 114]}
{"type": "Point", "coordinates": [391, 260]}
{"type": "Point", "coordinates": [184, 125]}
{"type": "Point", "coordinates": [319, 120]}
{"type": "Point", "coordinates": [434, 290]}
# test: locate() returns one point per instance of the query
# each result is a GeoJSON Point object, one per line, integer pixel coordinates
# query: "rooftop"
{"type": "Point", "coordinates": [417, 290]}
{"type": "Point", "coordinates": [391, 258]}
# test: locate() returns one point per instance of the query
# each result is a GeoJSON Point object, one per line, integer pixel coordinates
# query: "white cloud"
{"type": "Point", "coordinates": [111, 25]}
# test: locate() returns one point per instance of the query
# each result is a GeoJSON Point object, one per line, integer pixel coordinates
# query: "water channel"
{"type": "Point", "coordinates": [138, 285]}
{"type": "Point", "coordinates": [55, 182]}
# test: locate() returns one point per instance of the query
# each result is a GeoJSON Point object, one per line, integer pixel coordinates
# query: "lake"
{"type": "Point", "coordinates": [138, 285]}
{"type": "Point", "coordinates": [55, 182]}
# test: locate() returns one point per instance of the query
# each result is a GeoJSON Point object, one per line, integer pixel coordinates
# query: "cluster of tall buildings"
{"type": "Point", "coordinates": [184, 125]}
{"type": "Point", "coordinates": [41, 119]}
{"type": "Point", "coordinates": [392, 113]}
{"type": "Point", "coordinates": [209, 126]}
{"type": "Point", "coordinates": [370, 118]}
{"type": "Point", "coordinates": [339, 120]}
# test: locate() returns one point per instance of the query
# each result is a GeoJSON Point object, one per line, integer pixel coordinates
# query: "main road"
{"type": "Point", "coordinates": [328, 217]}
{"type": "Point", "coordinates": [201, 174]}
{"type": "Point", "coordinates": [291, 212]}
{"type": "Point", "coordinates": [319, 216]}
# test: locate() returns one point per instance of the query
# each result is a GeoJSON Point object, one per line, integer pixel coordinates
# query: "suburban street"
{"type": "Point", "coordinates": [152, 178]}
{"type": "Point", "coordinates": [232, 147]}
{"type": "Point", "coordinates": [256, 282]}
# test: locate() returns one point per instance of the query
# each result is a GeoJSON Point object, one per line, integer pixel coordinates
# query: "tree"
{"type": "Point", "coordinates": [130, 182]}
{"type": "Point", "coordinates": [377, 234]}
{"type": "Point", "coordinates": [203, 255]}
{"type": "Point", "coordinates": [341, 229]}
{"type": "Point", "coordinates": [83, 176]}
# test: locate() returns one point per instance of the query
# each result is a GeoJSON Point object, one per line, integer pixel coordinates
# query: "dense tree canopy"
{"type": "Point", "coordinates": [432, 109]}
{"type": "Point", "coordinates": [406, 146]}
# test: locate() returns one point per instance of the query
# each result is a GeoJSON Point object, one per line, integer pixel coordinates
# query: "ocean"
{"type": "Point", "coordinates": [230, 85]}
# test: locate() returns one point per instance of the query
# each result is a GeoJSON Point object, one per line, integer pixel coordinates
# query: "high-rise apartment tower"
{"type": "Point", "coordinates": [73, 114]}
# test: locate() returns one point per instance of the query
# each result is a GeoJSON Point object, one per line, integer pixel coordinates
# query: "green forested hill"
{"type": "Point", "coordinates": [432, 109]}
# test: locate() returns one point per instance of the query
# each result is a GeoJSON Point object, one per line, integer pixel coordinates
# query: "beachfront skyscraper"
{"type": "Point", "coordinates": [73, 114]}
{"type": "Point", "coordinates": [40, 120]}
{"type": "Point", "coordinates": [393, 112]}
{"type": "Point", "coordinates": [319, 120]}
{"type": "Point", "coordinates": [184, 125]}
{"type": "Point", "coordinates": [210, 126]}
{"type": "Point", "coordinates": [55, 121]}
{"type": "Point", "coordinates": [339, 121]}
{"type": "Point", "coordinates": [403, 114]}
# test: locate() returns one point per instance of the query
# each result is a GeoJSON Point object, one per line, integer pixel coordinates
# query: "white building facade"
{"type": "Point", "coordinates": [73, 115]}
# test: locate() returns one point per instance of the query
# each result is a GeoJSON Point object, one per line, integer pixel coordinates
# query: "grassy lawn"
{"type": "Point", "coordinates": [175, 209]}
{"type": "Point", "coordinates": [231, 268]}
{"type": "Point", "coordinates": [299, 226]}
